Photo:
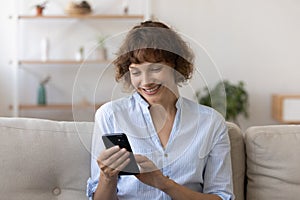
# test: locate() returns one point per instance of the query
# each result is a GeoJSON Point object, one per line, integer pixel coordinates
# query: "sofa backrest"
{"type": "Point", "coordinates": [237, 160]}
{"type": "Point", "coordinates": [273, 162]}
{"type": "Point", "coordinates": [42, 159]}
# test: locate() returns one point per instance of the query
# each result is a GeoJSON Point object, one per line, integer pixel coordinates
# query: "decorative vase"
{"type": "Point", "coordinates": [79, 56]}
{"type": "Point", "coordinates": [42, 95]}
{"type": "Point", "coordinates": [44, 49]}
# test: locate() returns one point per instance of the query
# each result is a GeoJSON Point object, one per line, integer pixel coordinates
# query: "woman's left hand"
{"type": "Point", "coordinates": [149, 174]}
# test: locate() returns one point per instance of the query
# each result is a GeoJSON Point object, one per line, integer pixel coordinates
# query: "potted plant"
{"type": "Point", "coordinates": [236, 104]}
{"type": "Point", "coordinates": [40, 8]}
{"type": "Point", "coordinates": [125, 7]}
{"type": "Point", "coordinates": [101, 48]}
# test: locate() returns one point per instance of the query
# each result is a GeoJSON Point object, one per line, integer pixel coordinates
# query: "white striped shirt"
{"type": "Point", "coordinates": [196, 156]}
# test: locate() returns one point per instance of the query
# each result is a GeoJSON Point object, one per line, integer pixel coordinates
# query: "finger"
{"type": "Point", "coordinates": [146, 164]}
{"type": "Point", "coordinates": [120, 167]}
{"type": "Point", "coordinates": [120, 161]}
{"type": "Point", "coordinates": [109, 161]}
{"type": "Point", "coordinates": [115, 157]}
{"type": "Point", "coordinates": [110, 172]}
{"type": "Point", "coordinates": [103, 167]}
{"type": "Point", "coordinates": [140, 158]}
{"type": "Point", "coordinates": [108, 152]}
{"type": "Point", "coordinates": [105, 154]}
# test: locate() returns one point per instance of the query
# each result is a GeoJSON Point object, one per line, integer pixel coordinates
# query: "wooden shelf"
{"type": "Point", "coordinates": [56, 106]}
{"type": "Point", "coordinates": [65, 62]}
{"type": "Point", "coordinates": [26, 22]}
{"type": "Point", "coordinates": [89, 16]}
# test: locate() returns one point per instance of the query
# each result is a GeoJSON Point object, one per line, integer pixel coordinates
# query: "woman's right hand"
{"type": "Point", "coordinates": [111, 161]}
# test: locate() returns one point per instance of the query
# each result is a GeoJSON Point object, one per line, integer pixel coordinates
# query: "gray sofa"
{"type": "Point", "coordinates": [43, 159]}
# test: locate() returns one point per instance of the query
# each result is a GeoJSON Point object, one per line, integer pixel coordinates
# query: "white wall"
{"type": "Point", "coordinates": [6, 55]}
{"type": "Point", "coordinates": [253, 41]}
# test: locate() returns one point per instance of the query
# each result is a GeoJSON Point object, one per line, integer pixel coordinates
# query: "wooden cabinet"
{"type": "Point", "coordinates": [286, 108]}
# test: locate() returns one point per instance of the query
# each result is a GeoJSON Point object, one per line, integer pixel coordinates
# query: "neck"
{"type": "Point", "coordinates": [169, 99]}
{"type": "Point", "coordinates": [167, 104]}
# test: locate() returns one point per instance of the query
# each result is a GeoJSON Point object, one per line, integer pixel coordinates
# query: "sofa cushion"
{"type": "Point", "coordinates": [42, 159]}
{"type": "Point", "coordinates": [237, 159]}
{"type": "Point", "coordinates": [273, 162]}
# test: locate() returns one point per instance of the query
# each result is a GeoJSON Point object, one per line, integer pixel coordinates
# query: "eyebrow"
{"type": "Point", "coordinates": [131, 67]}
{"type": "Point", "coordinates": [149, 65]}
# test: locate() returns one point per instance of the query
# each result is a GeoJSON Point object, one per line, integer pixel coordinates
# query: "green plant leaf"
{"type": "Point", "coordinates": [237, 102]}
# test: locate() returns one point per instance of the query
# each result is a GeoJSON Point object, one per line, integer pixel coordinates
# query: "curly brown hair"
{"type": "Point", "coordinates": [154, 42]}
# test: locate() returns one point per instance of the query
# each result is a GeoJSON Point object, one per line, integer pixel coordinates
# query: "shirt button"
{"type": "Point", "coordinates": [56, 191]}
{"type": "Point", "coordinates": [166, 155]}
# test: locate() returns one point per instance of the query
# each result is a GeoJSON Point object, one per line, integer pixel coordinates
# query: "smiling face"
{"type": "Point", "coordinates": [155, 82]}
{"type": "Point", "coordinates": [154, 42]}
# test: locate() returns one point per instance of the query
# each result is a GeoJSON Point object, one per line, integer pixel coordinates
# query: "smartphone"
{"type": "Point", "coordinates": [121, 140]}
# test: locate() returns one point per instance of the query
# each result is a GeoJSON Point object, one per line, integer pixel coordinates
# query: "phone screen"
{"type": "Point", "coordinates": [121, 140]}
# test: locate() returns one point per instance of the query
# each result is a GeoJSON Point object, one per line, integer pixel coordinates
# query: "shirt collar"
{"type": "Point", "coordinates": [140, 100]}
{"type": "Point", "coordinates": [179, 103]}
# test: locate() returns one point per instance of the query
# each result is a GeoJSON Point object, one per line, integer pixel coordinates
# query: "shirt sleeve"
{"type": "Point", "coordinates": [218, 172]}
{"type": "Point", "coordinates": [102, 125]}
{"type": "Point", "coordinates": [91, 188]}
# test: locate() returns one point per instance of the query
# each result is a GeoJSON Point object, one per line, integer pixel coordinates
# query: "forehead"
{"type": "Point", "coordinates": [146, 65]}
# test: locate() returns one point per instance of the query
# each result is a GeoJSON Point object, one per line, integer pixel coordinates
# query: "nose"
{"type": "Point", "coordinates": [146, 78]}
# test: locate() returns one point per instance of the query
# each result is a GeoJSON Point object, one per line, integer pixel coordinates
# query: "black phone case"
{"type": "Point", "coordinates": [121, 140]}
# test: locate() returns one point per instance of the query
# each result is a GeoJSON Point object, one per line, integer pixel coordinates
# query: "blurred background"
{"type": "Point", "coordinates": [256, 42]}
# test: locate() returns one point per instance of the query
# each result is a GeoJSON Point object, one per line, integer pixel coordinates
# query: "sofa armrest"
{"type": "Point", "coordinates": [237, 160]}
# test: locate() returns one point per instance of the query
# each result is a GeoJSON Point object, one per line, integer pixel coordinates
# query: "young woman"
{"type": "Point", "coordinates": [182, 148]}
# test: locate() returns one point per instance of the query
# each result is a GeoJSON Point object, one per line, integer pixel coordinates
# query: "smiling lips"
{"type": "Point", "coordinates": [152, 90]}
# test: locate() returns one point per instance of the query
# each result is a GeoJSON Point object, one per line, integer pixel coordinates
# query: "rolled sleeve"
{"type": "Point", "coordinates": [91, 188]}
{"type": "Point", "coordinates": [225, 196]}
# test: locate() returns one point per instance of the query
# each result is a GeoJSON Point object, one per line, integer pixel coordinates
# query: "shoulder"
{"type": "Point", "coordinates": [118, 105]}
{"type": "Point", "coordinates": [200, 110]}
{"type": "Point", "coordinates": [208, 120]}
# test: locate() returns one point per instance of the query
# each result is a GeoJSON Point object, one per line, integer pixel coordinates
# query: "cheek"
{"type": "Point", "coordinates": [134, 82]}
{"type": "Point", "coordinates": [167, 77]}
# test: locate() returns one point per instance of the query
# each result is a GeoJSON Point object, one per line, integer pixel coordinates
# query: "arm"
{"type": "Point", "coordinates": [152, 176]}
{"type": "Point", "coordinates": [107, 189]}
{"type": "Point", "coordinates": [103, 181]}
{"type": "Point", "coordinates": [179, 192]}
{"type": "Point", "coordinates": [111, 162]}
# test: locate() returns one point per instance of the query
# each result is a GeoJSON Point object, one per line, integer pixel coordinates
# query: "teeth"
{"type": "Point", "coordinates": [152, 89]}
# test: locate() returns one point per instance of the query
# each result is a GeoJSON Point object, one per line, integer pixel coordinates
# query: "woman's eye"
{"type": "Point", "coordinates": [135, 73]}
{"type": "Point", "coordinates": [156, 69]}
